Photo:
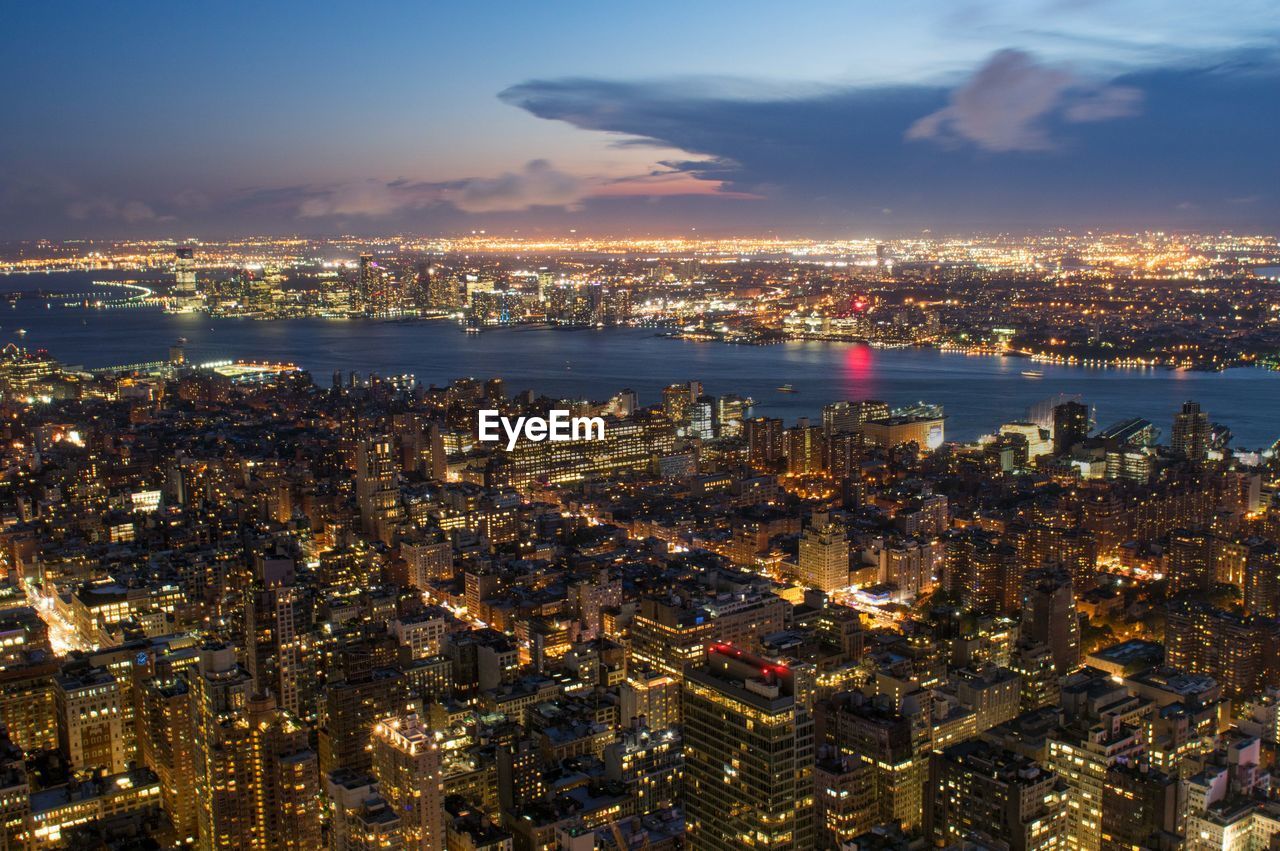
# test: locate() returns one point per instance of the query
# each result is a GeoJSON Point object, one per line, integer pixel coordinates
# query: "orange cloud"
{"type": "Point", "coordinates": [665, 184]}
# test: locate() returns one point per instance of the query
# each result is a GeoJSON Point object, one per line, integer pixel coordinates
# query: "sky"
{"type": "Point", "coordinates": [824, 119]}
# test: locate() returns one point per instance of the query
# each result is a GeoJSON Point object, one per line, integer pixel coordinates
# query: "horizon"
{"type": "Point", "coordinates": [692, 235]}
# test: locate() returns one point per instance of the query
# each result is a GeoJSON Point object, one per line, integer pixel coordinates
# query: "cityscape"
{"type": "Point", "coordinates": [1203, 302]}
{"type": "Point", "coordinates": [710, 427]}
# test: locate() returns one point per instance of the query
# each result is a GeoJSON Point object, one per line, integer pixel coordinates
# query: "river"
{"type": "Point", "coordinates": [978, 393]}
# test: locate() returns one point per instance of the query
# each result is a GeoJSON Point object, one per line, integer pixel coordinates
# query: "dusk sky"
{"type": "Point", "coordinates": [823, 119]}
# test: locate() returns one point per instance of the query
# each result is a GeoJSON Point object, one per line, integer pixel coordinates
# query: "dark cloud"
{"type": "Point", "coordinates": [1029, 145]}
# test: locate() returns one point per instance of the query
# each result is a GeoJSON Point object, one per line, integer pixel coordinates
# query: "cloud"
{"type": "Point", "coordinates": [1105, 104]}
{"type": "Point", "coordinates": [370, 198]}
{"type": "Point", "coordinates": [830, 159]}
{"type": "Point", "coordinates": [813, 159]}
{"type": "Point", "coordinates": [1007, 104]}
{"type": "Point", "coordinates": [131, 212]}
{"type": "Point", "coordinates": [538, 184]}
{"type": "Point", "coordinates": [34, 192]}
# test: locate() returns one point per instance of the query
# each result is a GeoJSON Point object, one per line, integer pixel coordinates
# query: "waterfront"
{"type": "Point", "coordinates": [978, 393]}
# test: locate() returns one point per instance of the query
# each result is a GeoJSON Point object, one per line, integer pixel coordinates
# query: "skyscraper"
{"type": "Point", "coordinates": [360, 819]}
{"type": "Point", "coordinates": [1190, 560]}
{"type": "Point", "coordinates": [256, 779]}
{"type": "Point", "coordinates": [729, 410]}
{"type": "Point", "coordinates": [764, 442]}
{"type": "Point", "coordinates": [678, 399]}
{"type": "Point", "coordinates": [702, 418]}
{"type": "Point", "coordinates": [976, 791]}
{"type": "Point", "coordinates": [1070, 425]}
{"type": "Point", "coordinates": [1191, 432]}
{"type": "Point", "coordinates": [406, 762]}
{"type": "Point", "coordinates": [366, 283]}
{"type": "Point", "coordinates": [377, 493]}
{"type": "Point", "coordinates": [91, 724]}
{"type": "Point", "coordinates": [649, 696]}
{"type": "Point", "coordinates": [184, 273]}
{"type": "Point", "coordinates": [823, 560]}
{"type": "Point", "coordinates": [845, 417]}
{"type": "Point", "coordinates": [277, 614]}
{"type": "Point", "coordinates": [165, 731]}
{"type": "Point", "coordinates": [805, 448]}
{"type": "Point", "coordinates": [1049, 617]}
{"type": "Point", "coordinates": [749, 754]}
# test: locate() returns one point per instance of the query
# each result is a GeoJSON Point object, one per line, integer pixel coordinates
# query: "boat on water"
{"type": "Point", "coordinates": [787, 388]}
{"type": "Point", "coordinates": [1033, 373]}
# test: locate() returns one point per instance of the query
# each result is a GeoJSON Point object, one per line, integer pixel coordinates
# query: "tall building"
{"type": "Point", "coordinates": [91, 719]}
{"type": "Point", "coordinates": [983, 571]}
{"type": "Point", "coordinates": [184, 273]}
{"type": "Point", "coordinates": [256, 780]}
{"type": "Point", "coordinates": [678, 399]}
{"type": "Point", "coordinates": [406, 763]}
{"type": "Point", "coordinates": [277, 619]}
{"type": "Point", "coordinates": [352, 702]}
{"type": "Point", "coordinates": [28, 704]}
{"type": "Point", "coordinates": [1083, 755]}
{"type": "Point", "coordinates": [1070, 425]}
{"type": "Point", "coordinates": [823, 561]}
{"type": "Point", "coordinates": [1039, 682]}
{"type": "Point", "coordinates": [165, 731]}
{"type": "Point", "coordinates": [360, 819]}
{"type": "Point", "coordinates": [844, 793]}
{"type": "Point", "coordinates": [1191, 432]}
{"type": "Point", "coordinates": [285, 787]}
{"type": "Point", "coordinates": [749, 754]}
{"type": "Point", "coordinates": [650, 697]}
{"type": "Point", "coordinates": [846, 417]}
{"type": "Point", "coordinates": [730, 409]}
{"type": "Point", "coordinates": [1141, 806]}
{"type": "Point", "coordinates": [1190, 561]}
{"type": "Point", "coordinates": [1049, 617]}
{"type": "Point", "coordinates": [892, 741]}
{"type": "Point", "coordinates": [377, 490]}
{"type": "Point", "coordinates": [764, 442]}
{"type": "Point", "coordinates": [702, 423]}
{"type": "Point", "coordinates": [649, 764]}
{"type": "Point", "coordinates": [1072, 550]}
{"type": "Point", "coordinates": [366, 283]}
{"type": "Point", "coordinates": [1238, 651]}
{"type": "Point", "coordinates": [1262, 578]}
{"type": "Point", "coordinates": [16, 824]}
{"type": "Point", "coordinates": [805, 448]}
{"type": "Point", "coordinates": [980, 793]}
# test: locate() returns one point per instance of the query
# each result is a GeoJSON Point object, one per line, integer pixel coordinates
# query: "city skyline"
{"type": "Point", "coordinates": [640, 427]}
{"type": "Point", "coordinates": [825, 120]}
